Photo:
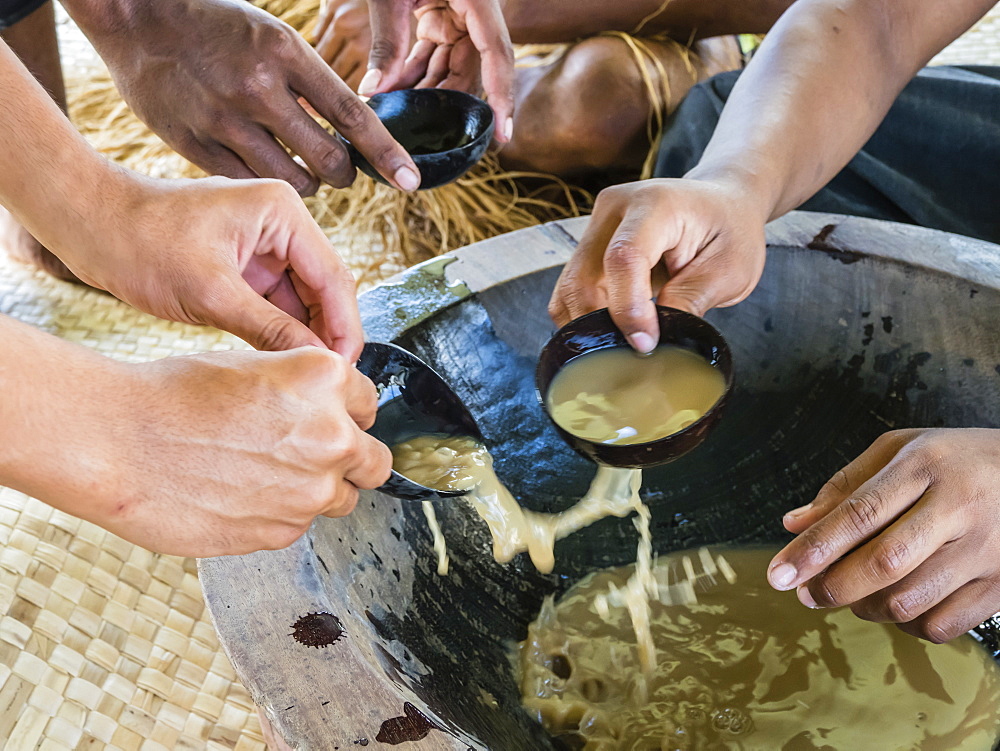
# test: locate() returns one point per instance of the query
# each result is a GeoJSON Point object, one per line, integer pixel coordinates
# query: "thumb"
{"type": "Point", "coordinates": [390, 24]}
{"type": "Point", "coordinates": [241, 311]}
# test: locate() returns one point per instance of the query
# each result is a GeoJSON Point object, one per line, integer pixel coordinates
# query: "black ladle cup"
{"type": "Point", "coordinates": [445, 132]}
{"type": "Point", "coordinates": [596, 331]}
{"type": "Point", "coordinates": [413, 400]}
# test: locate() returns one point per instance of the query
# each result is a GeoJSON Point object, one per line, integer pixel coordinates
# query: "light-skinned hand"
{"type": "Point", "coordinates": [243, 256]}
{"type": "Point", "coordinates": [231, 452]}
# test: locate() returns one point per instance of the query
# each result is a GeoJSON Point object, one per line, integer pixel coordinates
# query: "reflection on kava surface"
{"type": "Point", "coordinates": [747, 667]}
{"type": "Point", "coordinates": [661, 656]}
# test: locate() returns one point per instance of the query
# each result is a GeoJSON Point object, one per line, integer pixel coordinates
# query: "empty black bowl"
{"type": "Point", "coordinates": [413, 400]}
{"type": "Point", "coordinates": [446, 132]}
{"type": "Point", "coordinates": [596, 331]}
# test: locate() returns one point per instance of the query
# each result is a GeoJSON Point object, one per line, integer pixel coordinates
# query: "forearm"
{"type": "Point", "coordinates": [56, 420]}
{"type": "Point", "coordinates": [50, 178]}
{"type": "Point", "coordinates": [818, 88]}
{"type": "Point", "coordinates": [553, 21]}
{"type": "Point", "coordinates": [105, 16]}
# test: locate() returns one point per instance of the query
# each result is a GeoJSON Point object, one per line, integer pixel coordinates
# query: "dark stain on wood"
{"type": "Point", "coordinates": [317, 630]}
{"type": "Point", "coordinates": [822, 242]}
{"type": "Point", "coordinates": [412, 726]}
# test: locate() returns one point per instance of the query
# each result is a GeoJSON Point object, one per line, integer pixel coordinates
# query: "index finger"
{"type": "Point", "coordinates": [919, 533]}
{"type": "Point", "coordinates": [327, 289]}
{"type": "Point", "coordinates": [862, 515]}
{"type": "Point", "coordinates": [361, 399]}
{"type": "Point", "coordinates": [847, 480]}
{"type": "Point", "coordinates": [488, 31]}
{"type": "Point", "coordinates": [341, 107]}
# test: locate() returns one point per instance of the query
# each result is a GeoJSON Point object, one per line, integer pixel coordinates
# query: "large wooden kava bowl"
{"type": "Point", "coordinates": [857, 327]}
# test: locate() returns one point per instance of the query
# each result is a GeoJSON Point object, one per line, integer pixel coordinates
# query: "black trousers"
{"type": "Point", "coordinates": [934, 161]}
{"type": "Point", "coordinates": [12, 11]}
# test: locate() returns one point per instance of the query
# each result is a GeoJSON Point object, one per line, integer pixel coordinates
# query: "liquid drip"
{"type": "Point", "coordinates": [749, 668]}
{"type": "Point", "coordinates": [618, 396]}
{"type": "Point", "coordinates": [448, 463]}
{"type": "Point", "coordinates": [440, 546]}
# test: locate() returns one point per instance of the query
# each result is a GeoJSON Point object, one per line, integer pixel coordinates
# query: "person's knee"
{"type": "Point", "coordinates": [582, 113]}
{"type": "Point", "coordinates": [601, 93]}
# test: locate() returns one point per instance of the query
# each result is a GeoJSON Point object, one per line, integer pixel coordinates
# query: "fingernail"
{"type": "Point", "coordinates": [642, 342]}
{"type": "Point", "coordinates": [782, 576]}
{"type": "Point", "coordinates": [798, 511]}
{"type": "Point", "coordinates": [508, 128]}
{"type": "Point", "coordinates": [407, 179]}
{"type": "Point", "coordinates": [370, 82]}
{"type": "Point", "coordinates": [806, 598]}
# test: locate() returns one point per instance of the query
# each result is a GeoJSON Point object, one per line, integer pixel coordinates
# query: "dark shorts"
{"type": "Point", "coordinates": [934, 161]}
{"type": "Point", "coordinates": [12, 11]}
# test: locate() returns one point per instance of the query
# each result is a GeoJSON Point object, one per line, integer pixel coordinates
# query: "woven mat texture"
{"type": "Point", "coordinates": [103, 644]}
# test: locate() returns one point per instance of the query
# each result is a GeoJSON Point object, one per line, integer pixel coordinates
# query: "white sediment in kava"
{"type": "Point", "coordinates": [618, 396]}
{"type": "Point", "coordinates": [749, 668]}
{"type": "Point", "coordinates": [640, 398]}
{"type": "Point", "coordinates": [655, 655]}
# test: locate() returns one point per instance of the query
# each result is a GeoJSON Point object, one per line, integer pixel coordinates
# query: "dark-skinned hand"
{"type": "Point", "coordinates": [461, 44]}
{"type": "Point", "coordinates": [221, 82]}
{"type": "Point", "coordinates": [343, 38]}
{"type": "Point", "coordinates": [907, 533]}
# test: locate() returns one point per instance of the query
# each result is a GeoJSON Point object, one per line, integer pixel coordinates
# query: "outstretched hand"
{"type": "Point", "coordinates": [461, 44]}
{"type": "Point", "coordinates": [907, 533]}
{"type": "Point", "coordinates": [690, 244]}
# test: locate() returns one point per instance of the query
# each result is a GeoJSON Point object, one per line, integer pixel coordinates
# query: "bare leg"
{"type": "Point", "coordinates": [588, 113]}
{"type": "Point", "coordinates": [33, 40]}
{"type": "Point", "coordinates": [535, 22]}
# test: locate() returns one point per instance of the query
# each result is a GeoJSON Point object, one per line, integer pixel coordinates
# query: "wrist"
{"type": "Point", "coordinates": [750, 187]}
{"type": "Point", "coordinates": [86, 214]}
{"type": "Point", "coordinates": [60, 423]}
{"type": "Point", "coordinates": [100, 17]}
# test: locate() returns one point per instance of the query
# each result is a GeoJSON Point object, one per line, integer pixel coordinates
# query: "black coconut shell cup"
{"type": "Point", "coordinates": [446, 132]}
{"type": "Point", "coordinates": [596, 331]}
{"type": "Point", "coordinates": [413, 400]}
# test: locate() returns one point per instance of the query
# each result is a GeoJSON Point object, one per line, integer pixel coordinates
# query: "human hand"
{"type": "Point", "coordinates": [343, 38]}
{"type": "Point", "coordinates": [243, 256]}
{"type": "Point", "coordinates": [691, 244]}
{"type": "Point", "coordinates": [232, 452]}
{"type": "Point", "coordinates": [220, 80]}
{"type": "Point", "coordinates": [907, 533]}
{"type": "Point", "coordinates": [460, 43]}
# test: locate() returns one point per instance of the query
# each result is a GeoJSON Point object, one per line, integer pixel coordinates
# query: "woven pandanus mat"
{"type": "Point", "coordinates": [104, 644]}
